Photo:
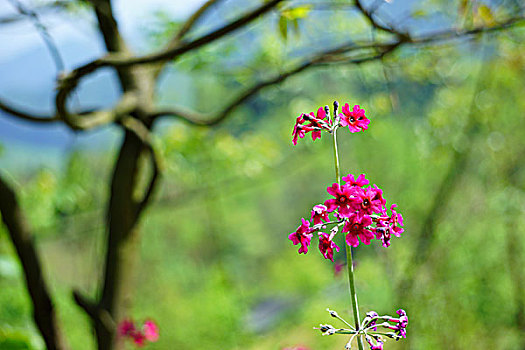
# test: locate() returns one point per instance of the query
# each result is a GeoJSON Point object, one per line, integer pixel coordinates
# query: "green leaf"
{"type": "Point", "coordinates": [283, 27]}
{"type": "Point", "coordinates": [296, 12]}
{"type": "Point", "coordinates": [485, 13]}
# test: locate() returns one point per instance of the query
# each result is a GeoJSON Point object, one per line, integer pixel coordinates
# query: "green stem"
{"type": "Point", "coordinates": [353, 294]}
{"type": "Point", "coordinates": [336, 158]}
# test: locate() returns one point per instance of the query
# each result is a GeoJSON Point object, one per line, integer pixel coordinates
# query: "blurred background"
{"type": "Point", "coordinates": [215, 269]}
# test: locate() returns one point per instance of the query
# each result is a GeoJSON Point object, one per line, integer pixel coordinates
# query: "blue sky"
{"type": "Point", "coordinates": [20, 38]}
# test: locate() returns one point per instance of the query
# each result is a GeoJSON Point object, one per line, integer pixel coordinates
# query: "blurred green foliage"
{"type": "Point", "coordinates": [216, 269]}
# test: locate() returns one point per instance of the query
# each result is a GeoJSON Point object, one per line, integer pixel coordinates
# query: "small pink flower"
{"type": "Point", "coordinates": [374, 345]}
{"type": "Point", "coordinates": [138, 338]}
{"type": "Point", "coordinates": [368, 201]}
{"type": "Point", "coordinates": [358, 227]}
{"type": "Point", "coordinates": [318, 122]}
{"type": "Point", "coordinates": [396, 220]}
{"type": "Point", "coordinates": [299, 130]}
{"type": "Point", "coordinates": [151, 331]}
{"type": "Point", "coordinates": [320, 214]}
{"type": "Point", "coordinates": [355, 119]}
{"type": "Point", "coordinates": [302, 236]}
{"type": "Point", "coordinates": [125, 328]}
{"type": "Point", "coordinates": [344, 196]}
{"type": "Point", "coordinates": [327, 246]}
{"type": "Point", "coordinates": [401, 323]}
{"type": "Point", "coordinates": [351, 181]}
{"type": "Point", "coordinates": [383, 233]}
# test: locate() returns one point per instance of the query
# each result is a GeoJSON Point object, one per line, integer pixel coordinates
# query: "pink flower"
{"type": "Point", "coordinates": [125, 328]}
{"type": "Point", "coordinates": [356, 227]}
{"type": "Point", "coordinates": [299, 130]}
{"type": "Point", "coordinates": [401, 323]}
{"type": "Point", "coordinates": [368, 201]}
{"type": "Point", "coordinates": [139, 339]}
{"type": "Point", "coordinates": [379, 197]}
{"type": "Point", "coordinates": [355, 119]}
{"type": "Point", "coordinates": [383, 233]}
{"type": "Point", "coordinates": [302, 236]}
{"type": "Point", "coordinates": [371, 315]}
{"type": "Point", "coordinates": [320, 213]}
{"type": "Point", "coordinates": [326, 246]}
{"type": "Point", "coordinates": [377, 345]}
{"type": "Point", "coordinates": [396, 220]}
{"type": "Point", "coordinates": [350, 181]}
{"type": "Point", "coordinates": [151, 331]}
{"type": "Point", "coordinates": [344, 196]}
{"type": "Point", "coordinates": [317, 123]}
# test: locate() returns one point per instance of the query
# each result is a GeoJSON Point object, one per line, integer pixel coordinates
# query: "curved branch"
{"type": "Point", "coordinates": [93, 119]}
{"type": "Point", "coordinates": [370, 17]}
{"type": "Point", "coordinates": [188, 25]}
{"type": "Point", "coordinates": [173, 52]}
{"type": "Point", "coordinates": [328, 57]}
{"type": "Point", "coordinates": [15, 112]}
{"type": "Point", "coordinates": [69, 81]}
{"type": "Point", "coordinates": [333, 56]}
{"type": "Point", "coordinates": [84, 120]}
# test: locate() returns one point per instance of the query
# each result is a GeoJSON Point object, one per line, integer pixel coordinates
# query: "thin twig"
{"type": "Point", "coordinates": [44, 33]}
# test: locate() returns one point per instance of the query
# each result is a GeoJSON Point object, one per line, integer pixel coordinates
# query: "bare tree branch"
{"type": "Point", "coordinates": [174, 52]}
{"type": "Point", "coordinates": [15, 112]}
{"type": "Point", "coordinates": [196, 119]}
{"type": "Point", "coordinates": [91, 120]}
{"type": "Point", "coordinates": [373, 22]}
{"type": "Point", "coordinates": [68, 82]}
{"type": "Point", "coordinates": [43, 309]}
{"type": "Point", "coordinates": [44, 33]}
{"type": "Point", "coordinates": [113, 40]}
{"type": "Point", "coordinates": [84, 120]}
{"type": "Point", "coordinates": [95, 312]}
{"type": "Point", "coordinates": [188, 25]}
{"type": "Point", "coordinates": [336, 55]}
{"type": "Point", "coordinates": [39, 9]}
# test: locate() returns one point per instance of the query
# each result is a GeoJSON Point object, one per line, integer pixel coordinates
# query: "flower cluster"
{"type": "Point", "coordinates": [368, 328]}
{"type": "Point", "coordinates": [354, 119]}
{"type": "Point", "coordinates": [359, 210]}
{"type": "Point", "coordinates": [148, 332]}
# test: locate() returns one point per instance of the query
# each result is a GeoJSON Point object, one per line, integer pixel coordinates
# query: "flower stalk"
{"type": "Point", "coordinates": [362, 214]}
{"type": "Point", "coordinates": [353, 294]}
